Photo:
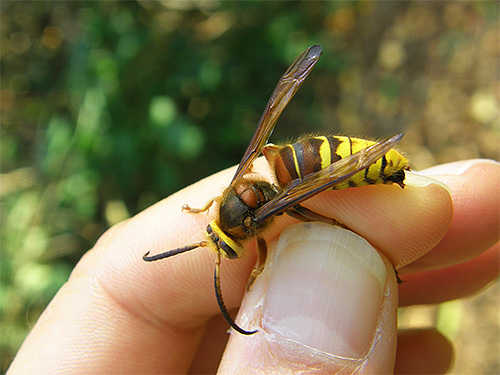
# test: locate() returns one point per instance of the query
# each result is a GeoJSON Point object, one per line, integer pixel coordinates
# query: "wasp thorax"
{"type": "Point", "coordinates": [251, 194]}
{"type": "Point", "coordinates": [238, 205]}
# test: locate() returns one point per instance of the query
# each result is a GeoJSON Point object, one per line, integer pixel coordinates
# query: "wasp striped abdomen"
{"type": "Point", "coordinates": [311, 154]}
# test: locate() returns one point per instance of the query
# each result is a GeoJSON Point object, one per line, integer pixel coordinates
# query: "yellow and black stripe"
{"type": "Point", "coordinates": [311, 154]}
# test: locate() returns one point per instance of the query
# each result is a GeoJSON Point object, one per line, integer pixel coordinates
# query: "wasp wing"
{"type": "Point", "coordinates": [286, 88]}
{"type": "Point", "coordinates": [300, 190]}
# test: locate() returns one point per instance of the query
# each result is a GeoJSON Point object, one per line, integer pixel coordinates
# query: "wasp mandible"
{"type": "Point", "coordinates": [303, 169]}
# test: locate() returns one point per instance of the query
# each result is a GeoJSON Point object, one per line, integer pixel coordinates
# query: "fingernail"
{"type": "Point", "coordinates": [420, 180]}
{"type": "Point", "coordinates": [457, 168]}
{"type": "Point", "coordinates": [325, 289]}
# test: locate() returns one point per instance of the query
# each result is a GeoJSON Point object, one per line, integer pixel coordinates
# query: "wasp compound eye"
{"type": "Point", "coordinates": [229, 253]}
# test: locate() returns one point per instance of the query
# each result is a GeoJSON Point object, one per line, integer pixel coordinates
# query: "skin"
{"type": "Point", "coordinates": [118, 314]}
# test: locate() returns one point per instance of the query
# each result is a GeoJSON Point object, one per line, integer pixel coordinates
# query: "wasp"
{"type": "Point", "coordinates": [302, 170]}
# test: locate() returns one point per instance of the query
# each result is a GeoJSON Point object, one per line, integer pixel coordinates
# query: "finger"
{"type": "Point", "coordinates": [325, 303]}
{"type": "Point", "coordinates": [209, 353]}
{"type": "Point", "coordinates": [476, 217]}
{"type": "Point", "coordinates": [458, 281]}
{"type": "Point", "coordinates": [423, 351]}
{"type": "Point", "coordinates": [115, 303]}
{"type": "Point", "coordinates": [402, 223]}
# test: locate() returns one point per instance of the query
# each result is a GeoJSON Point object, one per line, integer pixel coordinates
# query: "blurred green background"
{"type": "Point", "coordinates": [107, 107]}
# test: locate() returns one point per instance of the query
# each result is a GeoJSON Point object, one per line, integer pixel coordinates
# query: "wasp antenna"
{"type": "Point", "coordinates": [173, 252]}
{"type": "Point", "coordinates": [220, 301]}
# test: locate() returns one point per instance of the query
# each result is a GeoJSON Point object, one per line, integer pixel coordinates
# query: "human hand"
{"type": "Point", "coordinates": [118, 314]}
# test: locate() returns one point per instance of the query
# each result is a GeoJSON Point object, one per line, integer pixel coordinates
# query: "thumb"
{"type": "Point", "coordinates": [325, 302]}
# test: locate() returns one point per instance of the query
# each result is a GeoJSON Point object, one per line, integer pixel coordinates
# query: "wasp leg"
{"type": "Point", "coordinates": [207, 205]}
{"type": "Point", "coordinates": [261, 261]}
{"type": "Point", "coordinates": [399, 279]}
{"type": "Point", "coordinates": [305, 214]}
{"type": "Point", "coordinates": [220, 301]}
